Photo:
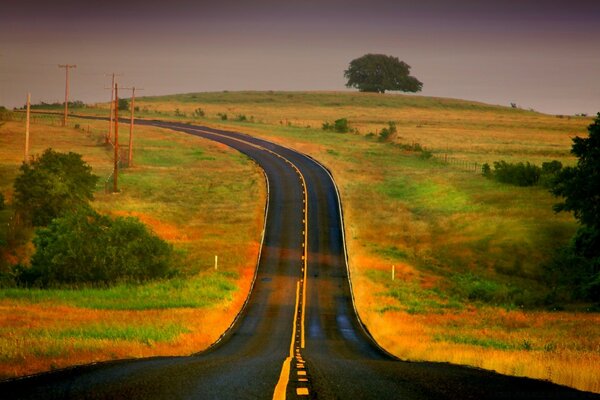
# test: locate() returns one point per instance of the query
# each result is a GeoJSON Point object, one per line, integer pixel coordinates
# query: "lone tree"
{"type": "Point", "coordinates": [580, 188]}
{"type": "Point", "coordinates": [378, 73]}
{"type": "Point", "coordinates": [52, 184]}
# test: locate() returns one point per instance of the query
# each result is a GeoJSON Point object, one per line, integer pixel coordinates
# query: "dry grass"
{"type": "Point", "coordinates": [203, 197]}
{"type": "Point", "coordinates": [441, 227]}
{"type": "Point", "coordinates": [558, 346]}
{"type": "Point", "coordinates": [449, 232]}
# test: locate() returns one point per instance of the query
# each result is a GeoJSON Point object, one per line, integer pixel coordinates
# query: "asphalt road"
{"type": "Point", "coordinates": [299, 331]}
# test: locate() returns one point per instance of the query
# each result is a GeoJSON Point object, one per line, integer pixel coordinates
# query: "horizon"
{"type": "Point", "coordinates": [539, 56]}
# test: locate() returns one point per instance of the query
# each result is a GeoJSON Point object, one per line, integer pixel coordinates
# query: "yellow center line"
{"type": "Point", "coordinates": [281, 387]}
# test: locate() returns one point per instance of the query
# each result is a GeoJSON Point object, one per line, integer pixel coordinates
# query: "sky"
{"type": "Point", "coordinates": [539, 54]}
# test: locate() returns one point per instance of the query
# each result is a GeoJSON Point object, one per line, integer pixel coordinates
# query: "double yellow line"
{"type": "Point", "coordinates": [284, 376]}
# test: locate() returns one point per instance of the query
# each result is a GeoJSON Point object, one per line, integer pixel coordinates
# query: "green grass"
{"type": "Point", "coordinates": [138, 333]}
{"type": "Point", "coordinates": [202, 291]}
{"type": "Point", "coordinates": [441, 219]}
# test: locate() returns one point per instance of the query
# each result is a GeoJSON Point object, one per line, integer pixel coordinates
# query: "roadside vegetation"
{"type": "Point", "coordinates": [201, 198]}
{"type": "Point", "coordinates": [471, 254]}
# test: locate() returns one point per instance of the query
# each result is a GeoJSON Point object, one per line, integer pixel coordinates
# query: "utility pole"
{"type": "Point", "coordinates": [130, 156]}
{"type": "Point", "coordinates": [66, 67]}
{"type": "Point", "coordinates": [116, 144]}
{"type": "Point", "coordinates": [112, 94]}
{"type": "Point", "coordinates": [27, 128]}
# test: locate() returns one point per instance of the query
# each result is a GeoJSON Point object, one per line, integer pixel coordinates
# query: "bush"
{"type": "Point", "coordinates": [198, 112]}
{"type": "Point", "coordinates": [519, 174]}
{"type": "Point", "coordinates": [486, 170]}
{"type": "Point", "coordinates": [84, 247]}
{"type": "Point", "coordinates": [523, 174]}
{"type": "Point", "coordinates": [339, 125]}
{"type": "Point", "coordinates": [123, 104]}
{"type": "Point", "coordinates": [550, 171]}
{"type": "Point", "coordinates": [51, 185]}
{"type": "Point", "coordinates": [389, 133]}
{"type": "Point", "coordinates": [241, 118]}
{"type": "Point", "coordinates": [2, 204]}
{"type": "Point", "coordinates": [223, 116]}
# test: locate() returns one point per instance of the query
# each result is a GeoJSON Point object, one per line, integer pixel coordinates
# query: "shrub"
{"type": "Point", "coordinates": [2, 205]}
{"type": "Point", "coordinates": [223, 116]}
{"type": "Point", "coordinates": [523, 174]}
{"type": "Point", "coordinates": [241, 118]}
{"type": "Point", "coordinates": [84, 247]}
{"type": "Point", "coordinates": [389, 133]}
{"type": "Point", "coordinates": [519, 174]}
{"type": "Point", "coordinates": [550, 171]}
{"type": "Point", "coordinates": [339, 125]}
{"type": "Point", "coordinates": [198, 112]}
{"type": "Point", "coordinates": [123, 104]}
{"type": "Point", "coordinates": [486, 170]}
{"type": "Point", "coordinates": [51, 185]}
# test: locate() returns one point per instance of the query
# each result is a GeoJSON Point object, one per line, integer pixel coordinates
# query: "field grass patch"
{"type": "Point", "coordinates": [197, 292]}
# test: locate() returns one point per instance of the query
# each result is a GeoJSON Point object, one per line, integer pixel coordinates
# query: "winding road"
{"type": "Point", "coordinates": [298, 335]}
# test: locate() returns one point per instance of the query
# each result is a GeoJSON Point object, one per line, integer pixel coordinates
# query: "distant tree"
{"type": "Point", "coordinates": [52, 184]}
{"type": "Point", "coordinates": [378, 73]}
{"type": "Point", "coordinates": [124, 104]}
{"type": "Point", "coordinates": [580, 188]}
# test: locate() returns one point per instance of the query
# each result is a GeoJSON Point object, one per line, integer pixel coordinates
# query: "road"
{"type": "Point", "coordinates": [298, 335]}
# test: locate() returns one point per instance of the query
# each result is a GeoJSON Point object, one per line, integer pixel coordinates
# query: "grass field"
{"type": "Point", "coordinates": [204, 198]}
{"type": "Point", "coordinates": [468, 252]}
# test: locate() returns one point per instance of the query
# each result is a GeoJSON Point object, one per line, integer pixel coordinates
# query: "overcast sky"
{"type": "Point", "coordinates": [542, 54]}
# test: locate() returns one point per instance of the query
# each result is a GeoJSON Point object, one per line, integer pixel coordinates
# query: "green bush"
{"type": "Point", "coordinates": [223, 116]}
{"type": "Point", "coordinates": [519, 174]}
{"type": "Point", "coordinates": [389, 133]}
{"type": "Point", "coordinates": [52, 184]}
{"type": "Point", "coordinates": [86, 248]}
{"type": "Point", "coordinates": [339, 125]}
{"type": "Point", "coordinates": [198, 112]}
{"type": "Point", "coordinates": [523, 174]}
{"type": "Point", "coordinates": [123, 104]}
{"type": "Point", "coordinates": [2, 204]}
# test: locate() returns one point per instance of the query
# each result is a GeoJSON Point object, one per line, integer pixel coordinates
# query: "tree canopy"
{"type": "Point", "coordinates": [379, 72]}
{"type": "Point", "coordinates": [51, 184]}
{"type": "Point", "coordinates": [580, 185]}
{"type": "Point", "coordinates": [84, 247]}
{"type": "Point", "coordinates": [580, 188]}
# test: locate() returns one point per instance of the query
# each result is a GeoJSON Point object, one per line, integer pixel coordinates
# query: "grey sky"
{"type": "Point", "coordinates": [540, 54]}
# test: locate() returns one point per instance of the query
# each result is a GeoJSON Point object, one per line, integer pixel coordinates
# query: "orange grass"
{"type": "Point", "coordinates": [438, 220]}
{"type": "Point", "coordinates": [557, 346]}
{"type": "Point", "coordinates": [29, 341]}
{"type": "Point", "coordinates": [221, 213]}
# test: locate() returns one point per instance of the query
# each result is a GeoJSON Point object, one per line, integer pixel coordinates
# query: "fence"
{"type": "Point", "coordinates": [459, 163]}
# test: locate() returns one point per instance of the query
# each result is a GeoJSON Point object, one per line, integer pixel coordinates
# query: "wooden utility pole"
{"type": "Point", "coordinates": [116, 143]}
{"type": "Point", "coordinates": [66, 67]}
{"type": "Point", "coordinates": [130, 156]}
{"type": "Point", "coordinates": [112, 95]}
{"type": "Point", "coordinates": [27, 128]}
